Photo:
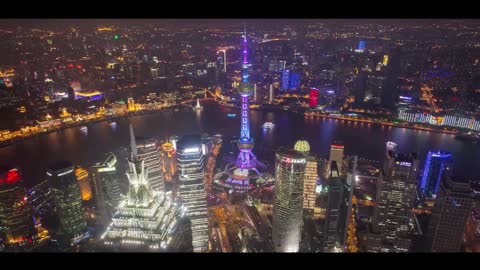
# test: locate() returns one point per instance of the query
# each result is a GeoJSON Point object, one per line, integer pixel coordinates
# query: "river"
{"type": "Point", "coordinates": [32, 156]}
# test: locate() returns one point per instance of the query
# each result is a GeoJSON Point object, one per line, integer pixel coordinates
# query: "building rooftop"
{"type": "Point", "coordinates": [60, 165]}
{"type": "Point", "coordinates": [406, 157]}
{"type": "Point", "coordinates": [290, 153]}
{"type": "Point", "coordinates": [191, 140]}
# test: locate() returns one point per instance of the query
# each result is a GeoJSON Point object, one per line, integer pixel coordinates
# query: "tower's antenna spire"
{"type": "Point", "coordinates": [133, 144]}
{"type": "Point", "coordinates": [245, 61]}
{"type": "Point", "coordinates": [244, 31]}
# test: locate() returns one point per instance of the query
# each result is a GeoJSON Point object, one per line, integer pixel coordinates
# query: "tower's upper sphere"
{"type": "Point", "coordinates": [245, 89]}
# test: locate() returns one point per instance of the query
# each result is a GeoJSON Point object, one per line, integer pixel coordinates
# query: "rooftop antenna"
{"type": "Point", "coordinates": [133, 144]}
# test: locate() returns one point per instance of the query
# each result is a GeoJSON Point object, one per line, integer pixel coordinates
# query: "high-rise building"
{"type": "Point", "coordinates": [222, 60]}
{"type": "Point", "coordinates": [361, 46]}
{"type": "Point", "coordinates": [191, 190]}
{"type": "Point", "coordinates": [145, 220]}
{"type": "Point", "coordinates": [16, 220]}
{"type": "Point", "coordinates": [106, 186]}
{"type": "Point", "coordinates": [83, 184]}
{"type": "Point", "coordinates": [285, 79]}
{"type": "Point", "coordinates": [453, 205]}
{"type": "Point", "coordinates": [66, 194]}
{"type": "Point", "coordinates": [436, 165]}
{"type": "Point", "coordinates": [396, 188]}
{"type": "Point", "coordinates": [212, 74]}
{"type": "Point", "coordinates": [385, 60]}
{"type": "Point", "coordinates": [359, 87]}
{"type": "Point", "coordinates": [290, 80]}
{"type": "Point", "coordinates": [375, 88]}
{"type": "Point", "coordinates": [339, 205]}
{"type": "Point", "coordinates": [287, 217]}
{"type": "Point", "coordinates": [333, 237]}
{"type": "Point", "coordinates": [336, 154]}
{"type": "Point", "coordinates": [149, 151]}
{"type": "Point", "coordinates": [294, 81]}
{"type": "Point", "coordinates": [311, 176]}
{"type": "Point", "coordinates": [313, 98]}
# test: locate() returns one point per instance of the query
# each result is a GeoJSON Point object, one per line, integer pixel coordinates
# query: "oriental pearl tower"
{"type": "Point", "coordinates": [239, 175]}
{"type": "Point", "coordinates": [246, 160]}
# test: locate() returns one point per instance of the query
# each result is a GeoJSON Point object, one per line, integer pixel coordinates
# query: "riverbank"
{"type": "Point", "coordinates": [388, 124]}
{"type": "Point", "coordinates": [67, 125]}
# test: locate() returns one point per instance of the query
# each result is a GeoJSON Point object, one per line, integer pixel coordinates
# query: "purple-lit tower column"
{"type": "Point", "coordinates": [246, 159]}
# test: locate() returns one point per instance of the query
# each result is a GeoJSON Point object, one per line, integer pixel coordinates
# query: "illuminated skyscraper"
{"type": "Point", "coordinates": [287, 218]}
{"type": "Point", "coordinates": [149, 151]}
{"type": "Point", "coordinates": [16, 220]}
{"type": "Point", "coordinates": [83, 184]}
{"type": "Point", "coordinates": [361, 46]}
{"type": "Point", "coordinates": [313, 97]}
{"type": "Point", "coordinates": [145, 220]}
{"type": "Point", "coordinates": [339, 205]}
{"type": "Point", "coordinates": [66, 194]}
{"type": "Point", "coordinates": [285, 79]}
{"type": "Point", "coordinates": [106, 186]}
{"type": "Point", "coordinates": [311, 175]}
{"type": "Point", "coordinates": [453, 205]}
{"type": "Point", "coordinates": [436, 164]}
{"type": "Point", "coordinates": [396, 189]}
{"type": "Point", "coordinates": [191, 190]}
{"type": "Point", "coordinates": [385, 60]}
{"type": "Point", "coordinates": [294, 81]}
{"type": "Point", "coordinates": [290, 80]}
{"type": "Point", "coordinates": [222, 60]}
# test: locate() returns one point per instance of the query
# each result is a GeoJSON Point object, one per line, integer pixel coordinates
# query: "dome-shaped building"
{"type": "Point", "coordinates": [302, 146]}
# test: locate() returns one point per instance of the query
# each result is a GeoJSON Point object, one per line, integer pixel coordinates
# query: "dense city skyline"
{"type": "Point", "coordinates": [232, 115]}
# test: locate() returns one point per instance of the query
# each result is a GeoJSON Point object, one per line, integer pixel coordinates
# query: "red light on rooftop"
{"type": "Point", "coordinates": [337, 146]}
{"type": "Point", "coordinates": [70, 65]}
{"type": "Point", "coordinates": [79, 66]}
{"type": "Point", "coordinates": [12, 176]}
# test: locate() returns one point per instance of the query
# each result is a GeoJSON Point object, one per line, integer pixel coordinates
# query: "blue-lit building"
{"type": "Point", "coordinates": [290, 80]}
{"type": "Point", "coordinates": [294, 80]}
{"type": "Point", "coordinates": [436, 164]}
{"type": "Point", "coordinates": [285, 79]}
{"type": "Point", "coordinates": [361, 45]}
